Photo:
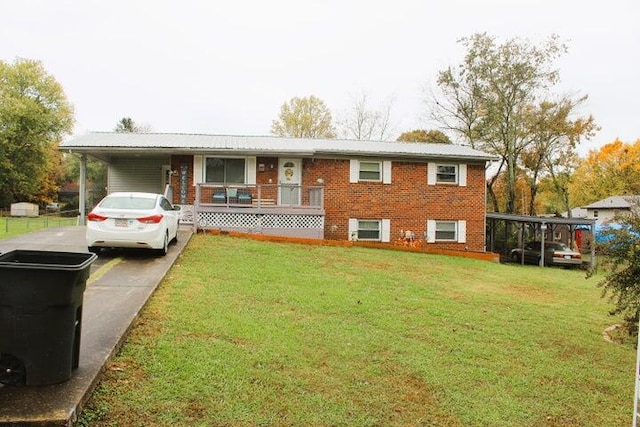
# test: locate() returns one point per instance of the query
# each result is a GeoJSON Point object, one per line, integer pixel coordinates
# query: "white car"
{"type": "Point", "coordinates": [133, 220]}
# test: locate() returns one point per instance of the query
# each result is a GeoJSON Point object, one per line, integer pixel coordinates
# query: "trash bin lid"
{"type": "Point", "coordinates": [46, 260]}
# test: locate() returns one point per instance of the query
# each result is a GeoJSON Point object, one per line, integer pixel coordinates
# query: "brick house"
{"type": "Point", "coordinates": [316, 188]}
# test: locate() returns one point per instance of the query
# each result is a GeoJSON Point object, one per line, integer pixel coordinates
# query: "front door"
{"type": "Point", "coordinates": [290, 179]}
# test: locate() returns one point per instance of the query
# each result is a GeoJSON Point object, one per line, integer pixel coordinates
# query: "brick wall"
{"type": "Point", "coordinates": [408, 201]}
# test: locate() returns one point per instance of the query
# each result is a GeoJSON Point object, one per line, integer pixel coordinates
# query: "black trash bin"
{"type": "Point", "coordinates": [41, 294]}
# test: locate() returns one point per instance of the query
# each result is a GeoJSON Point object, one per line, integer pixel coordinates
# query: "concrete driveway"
{"type": "Point", "coordinates": [120, 284]}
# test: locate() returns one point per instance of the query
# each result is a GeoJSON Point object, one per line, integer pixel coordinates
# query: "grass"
{"type": "Point", "coordinates": [247, 333]}
{"type": "Point", "coordinates": [14, 226]}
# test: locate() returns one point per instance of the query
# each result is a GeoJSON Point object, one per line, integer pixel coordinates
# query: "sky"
{"type": "Point", "coordinates": [227, 67]}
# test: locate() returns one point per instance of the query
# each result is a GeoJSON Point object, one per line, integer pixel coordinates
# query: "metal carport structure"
{"type": "Point", "coordinates": [538, 224]}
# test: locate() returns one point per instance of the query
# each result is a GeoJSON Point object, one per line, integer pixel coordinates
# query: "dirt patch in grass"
{"type": "Point", "coordinates": [531, 293]}
{"type": "Point", "coordinates": [414, 403]}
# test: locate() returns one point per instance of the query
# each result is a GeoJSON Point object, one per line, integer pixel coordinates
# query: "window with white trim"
{"type": "Point", "coordinates": [446, 230]}
{"type": "Point", "coordinates": [370, 171]}
{"type": "Point", "coordinates": [368, 230]}
{"type": "Point", "coordinates": [378, 230]}
{"type": "Point", "coordinates": [447, 174]}
{"type": "Point", "coordinates": [225, 170]}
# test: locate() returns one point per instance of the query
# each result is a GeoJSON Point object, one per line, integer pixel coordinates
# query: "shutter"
{"type": "Point", "coordinates": [354, 170]}
{"type": "Point", "coordinates": [462, 175]}
{"type": "Point", "coordinates": [386, 172]}
{"type": "Point", "coordinates": [462, 231]}
{"type": "Point", "coordinates": [431, 173]}
{"type": "Point", "coordinates": [251, 170]}
{"type": "Point", "coordinates": [431, 231]}
{"type": "Point", "coordinates": [198, 176]}
{"type": "Point", "coordinates": [385, 232]}
{"type": "Point", "coordinates": [353, 229]}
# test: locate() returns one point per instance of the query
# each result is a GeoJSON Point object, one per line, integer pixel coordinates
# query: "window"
{"type": "Point", "coordinates": [369, 171]}
{"type": "Point", "coordinates": [446, 230]}
{"type": "Point", "coordinates": [378, 230]}
{"type": "Point", "coordinates": [368, 230]}
{"type": "Point", "coordinates": [165, 204]}
{"type": "Point", "coordinates": [447, 174]}
{"type": "Point", "coordinates": [224, 170]}
{"type": "Point", "coordinates": [128, 202]}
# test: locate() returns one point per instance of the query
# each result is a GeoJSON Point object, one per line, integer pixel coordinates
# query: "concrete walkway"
{"type": "Point", "coordinates": [120, 284]}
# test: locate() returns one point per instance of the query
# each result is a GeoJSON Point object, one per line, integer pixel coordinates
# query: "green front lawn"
{"type": "Point", "coordinates": [247, 333]}
{"type": "Point", "coordinates": [14, 226]}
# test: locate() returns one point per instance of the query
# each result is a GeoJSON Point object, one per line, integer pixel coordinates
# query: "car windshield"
{"type": "Point", "coordinates": [128, 203]}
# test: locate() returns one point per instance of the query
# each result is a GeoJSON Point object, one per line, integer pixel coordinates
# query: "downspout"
{"type": "Point", "coordinates": [82, 200]}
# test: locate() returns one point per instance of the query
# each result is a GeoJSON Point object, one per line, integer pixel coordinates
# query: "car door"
{"type": "Point", "coordinates": [532, 253]}
{"type": "Point", "coordinates": [172, 217]}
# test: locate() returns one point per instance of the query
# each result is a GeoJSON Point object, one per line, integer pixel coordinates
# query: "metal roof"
{"type": "Point", "coordinates": [540, 219]}
{"type": "Point", "coordinates": [113, 142]}
{"type": "Point", "coordinates": [615, 202]}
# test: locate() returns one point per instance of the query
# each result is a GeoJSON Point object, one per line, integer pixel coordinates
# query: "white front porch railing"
{"type": "Point", "coordinates": [283, 210]}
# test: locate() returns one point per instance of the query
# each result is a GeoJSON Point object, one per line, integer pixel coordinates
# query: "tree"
{"type": "Point", "coordinates": [488, 99]}
{"type": "Point", "coordinates": [363, 123]}
{"type": "Point", "coordinates": [613, 170]}
{"type": "Point", "coordinates": [34, 116]}
{"type": "Point", "coordinates": [421, 135]}
{"type": "Point", "coordinates": [554, 136]}
{"type": "Point", "coordinates": [126, 124]}
{"type": "Point", "coordinates": [304, 118]}
{"type": "Point", "coordinates": [622, 282]}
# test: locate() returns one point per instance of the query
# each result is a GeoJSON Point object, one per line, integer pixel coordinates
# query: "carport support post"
{"type": "Point", "coordinates": [82, 200]}
{"type": "Point", "coordinates": [543, 229]}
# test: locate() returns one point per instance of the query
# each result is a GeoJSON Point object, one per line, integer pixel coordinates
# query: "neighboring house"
{"type": "Point", "coordinates": [604, 211]}
{"type": "Point", "coordinates": [317, 188]}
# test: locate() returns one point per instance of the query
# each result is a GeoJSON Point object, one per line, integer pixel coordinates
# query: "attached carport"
{"type": "Point", "coordinates": [500, 227]}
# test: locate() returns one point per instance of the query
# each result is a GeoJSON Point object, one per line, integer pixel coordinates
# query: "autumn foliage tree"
{"type": "Point", "coordinates": [551, 152]}
{"type": "Point", "coordinates": [613, 170]}
{"type": "Point", "coordinates": [422, 135]}
{"type": "Point", "coordinates": [304, 118]}
{"type": "Point", "coordinates": [34, 116]}
{"type": "Point", "coordinates": [499, 100]}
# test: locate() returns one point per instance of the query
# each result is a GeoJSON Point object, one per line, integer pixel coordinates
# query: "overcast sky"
{"type": "Point", "coordinates": [226, 67]}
